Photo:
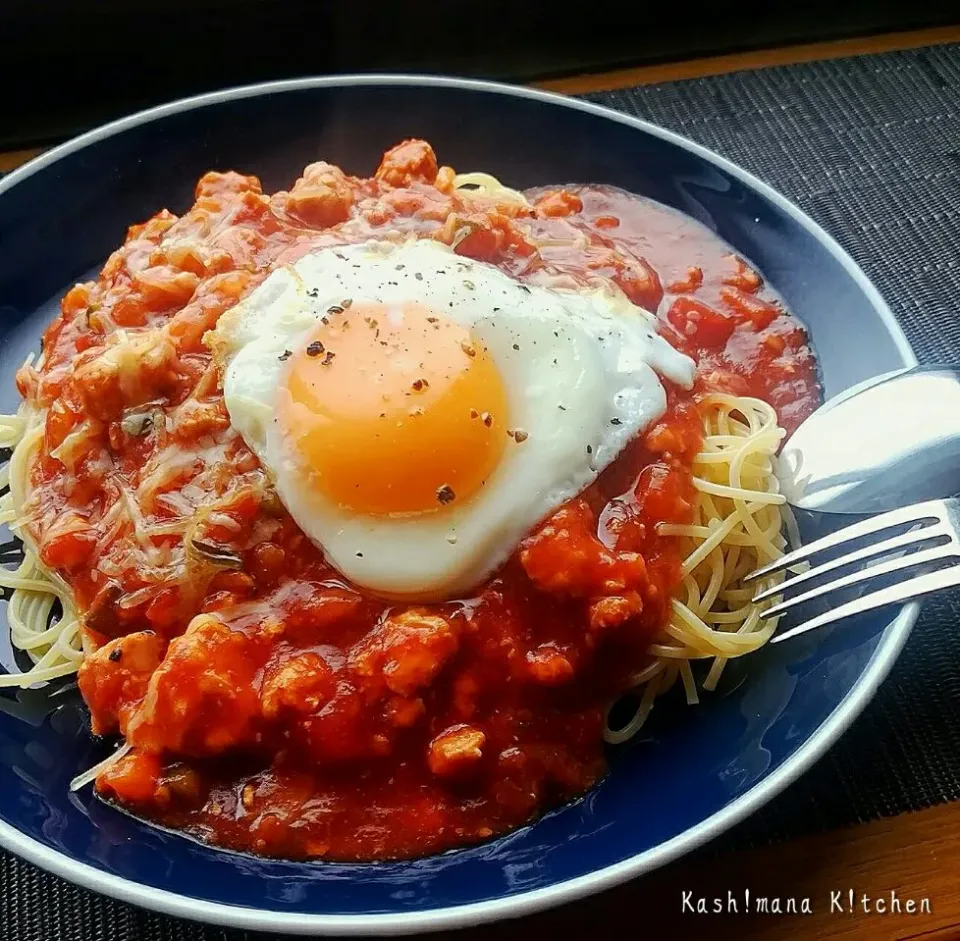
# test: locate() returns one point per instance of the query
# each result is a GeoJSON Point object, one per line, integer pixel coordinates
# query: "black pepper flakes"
{"type": "Point", "coordinates": [468, 349]}
{"type": "Point", "coordinates": [474, 413]}
{"type": "Point", "coordinates": [516, 346]}
{"type": "Point", "coordinates": [313, 292]}
{"type": "Point", "coordinates": [420, 384]}
{"type": "Point", "coordinates": [469, 285]}
{"type": "Point", "coordinates": [400, 267]}
{"type": "Point", "coordinates": [334, 309]}
{"type": "Point", "coordinates": [315, 348]}
{"type": "Point", "coordinates": [346, 302]}
{"type": "Point", "coordinates": [418, 275]}
{"type": "Point", "coordinates": [520, 436]}
{"type": "Point", "coordinates": [589, 449]}
{"type": "Point", "coordinates": [359, 555]}
{"type": "Point", "coordinates": [524, 288]}
{"type": "Point", "coordinates": [285, 355]}
{"type": "Point", "coordinates": [328, 359]}
{"type": "Point", "coordinates": [432, 319]}
{"type": "Point", "coordinates": [445, 494]}
{"type": "Point", "coordinates": [615, 421]}
{"type": "Point", "coordinates": [115, 654]}
{"type": "Point", "coordinates": [487, 419]}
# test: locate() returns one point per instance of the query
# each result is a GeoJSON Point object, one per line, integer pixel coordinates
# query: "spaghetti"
{"type": "Point", "coordinates": [41, 612]}
{"type": "Point", "coordinates": [485, 186]}
{"type": "Point", "coordinates": [737, 528]}
{"type": "Point", "coordinates": [245, 681]}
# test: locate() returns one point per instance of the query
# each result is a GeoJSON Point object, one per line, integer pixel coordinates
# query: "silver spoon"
{"type": "Point", "coordinates": [888, 446]}
{"type": "Point", "coordinates": [886, 443]}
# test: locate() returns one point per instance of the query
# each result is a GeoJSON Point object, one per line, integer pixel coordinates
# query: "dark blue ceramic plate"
{"type": "Point", "coordinates": [690, 778]}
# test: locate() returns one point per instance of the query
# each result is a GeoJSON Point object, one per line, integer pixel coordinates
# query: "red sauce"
{"type": "Point", "coordinates": [272, 706]}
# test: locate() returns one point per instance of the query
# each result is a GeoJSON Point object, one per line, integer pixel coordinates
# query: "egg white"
{"type": "Point", "coordinates": [580, 372]}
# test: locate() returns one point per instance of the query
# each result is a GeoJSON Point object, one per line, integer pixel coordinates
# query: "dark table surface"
{"type": "Point", "coordinates": [72, 64]}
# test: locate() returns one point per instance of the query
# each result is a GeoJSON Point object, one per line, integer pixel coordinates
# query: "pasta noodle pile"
{"type": "Point", "coordinates": [737, 527]}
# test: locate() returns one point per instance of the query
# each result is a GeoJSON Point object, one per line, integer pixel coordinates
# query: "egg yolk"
{"type": "Point", "coordinates": [395, 409]}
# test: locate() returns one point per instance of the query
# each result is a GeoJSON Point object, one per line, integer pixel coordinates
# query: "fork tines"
{"type": "Point", "coordinates": [931, 536]}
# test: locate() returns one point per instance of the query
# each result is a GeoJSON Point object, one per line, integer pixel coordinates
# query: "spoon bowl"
{"type": "Point", "coordinates": [891, 441]}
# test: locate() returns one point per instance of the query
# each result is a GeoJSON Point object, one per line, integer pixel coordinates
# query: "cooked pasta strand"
{"type": "Point", "coordinates": [41, 614]}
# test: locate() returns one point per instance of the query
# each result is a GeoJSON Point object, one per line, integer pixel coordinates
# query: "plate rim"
{"type": "Point", "coordinates": [892, 639]}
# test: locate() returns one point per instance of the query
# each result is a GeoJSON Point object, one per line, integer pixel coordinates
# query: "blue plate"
{"type": "Point", "coordinates": [690, 778]}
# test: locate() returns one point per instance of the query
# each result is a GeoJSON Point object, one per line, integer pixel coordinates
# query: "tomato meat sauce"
{"type": "Point", "coordinates": [272, 707]}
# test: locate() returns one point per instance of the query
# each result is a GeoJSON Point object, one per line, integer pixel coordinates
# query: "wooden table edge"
{"type": "Point", "coordinates": [914, 855]}
{"type": "Point", "coordinates": [11, 159]}
{"type": "Point", "coordinates": [888, 880]}
{"type": "Point", "coordinates": [693, 68]}
{"type": "Point", "coordinates": [755, 59]}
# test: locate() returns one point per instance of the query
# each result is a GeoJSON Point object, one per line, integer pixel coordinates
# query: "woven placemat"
{"type": "Point", "coordinates": [870, 148]}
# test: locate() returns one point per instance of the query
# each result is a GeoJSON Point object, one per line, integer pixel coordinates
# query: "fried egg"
{"type": "Point", "coordinates": [419, 412]}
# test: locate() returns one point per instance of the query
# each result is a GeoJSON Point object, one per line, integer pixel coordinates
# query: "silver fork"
{"type": "Point", "coordinates": [933, 531]}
